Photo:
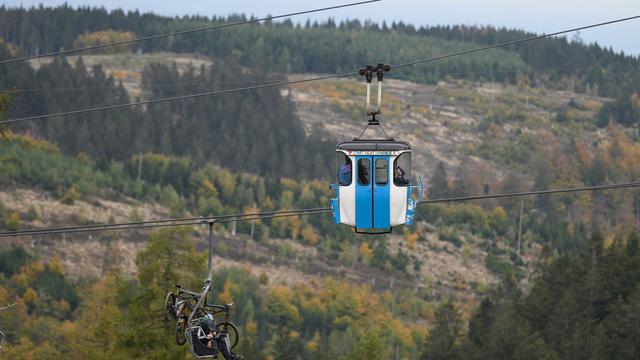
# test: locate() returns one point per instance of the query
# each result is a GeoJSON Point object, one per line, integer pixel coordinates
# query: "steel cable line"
{"type": "Point", "coordinates": [292, 82]}
{"type": "Point", "coordinates": [532, 193]}
{"type": "Point", "coordinates": [115, 227]}
{"type": "Point", "coordinates": [142, 87]}
{"type": "Point", "coordinates": [515, 42]}
{"type": "Point", "coordinates": [201, 218]}
{"type": "Point", "coordinates": [289, 213]}
{"type": "Point", "coordinates": [174, 98]}
{"type": "Point", "coordinates": [163, 222]}
{"type": "Point", "coordinates": [167, 222]}
{"type": "Point", "coordinates": [567, 69]}
{"type": "Point", "coordinates": [183, 32]}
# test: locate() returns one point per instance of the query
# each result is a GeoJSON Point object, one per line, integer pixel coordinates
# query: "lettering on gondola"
{"type": "Point", "coordinates": [372, 152]}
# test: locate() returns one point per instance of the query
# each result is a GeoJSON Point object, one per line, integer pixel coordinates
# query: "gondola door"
{"type": "Point", "coordinates": [364, 193]}
{"type": "Point", "coordinates": [372, 192]}
{"type": "Point", "coordinates": [381, 192]}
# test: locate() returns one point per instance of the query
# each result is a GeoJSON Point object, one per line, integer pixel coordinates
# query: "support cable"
{"type": "Point", "coordinates": [189, 220]}
{"type": "Point", "coordinates": [516, 42]}
{"type": "Point", "coordinates": [293, 82]}
{"type": "Point", "coordinates": [183, 32]}
{"type": "Point", "coordinates": [167, 222]}
{"type": "Point", "coordinates": [531, 193]}
{"type": "Point", "coordinates": [176, 84]}
{"type": "Point", "coordinates": [290, 213]}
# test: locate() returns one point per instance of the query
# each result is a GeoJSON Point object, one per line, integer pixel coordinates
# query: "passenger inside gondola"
{"type": "Point", "coordinates": [398, 177]}
{"type": "Point", "coordinates": [363, 171]}
{"type": "Point", "coordinates": [344, 174]}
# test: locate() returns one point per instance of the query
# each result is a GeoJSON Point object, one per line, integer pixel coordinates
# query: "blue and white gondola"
{"type": "Point", "coordinates": [373, 192]}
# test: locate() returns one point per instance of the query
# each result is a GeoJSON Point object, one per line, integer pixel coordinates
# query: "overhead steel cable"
{"type": "Point", "coordinates": [301, 213]}
{"type": "Point", "coordinates": [167, 222]}
{"type": "Point", "coordinates": [163, 222]}
{"type": "Point", "coordinates": [288, 213]}
{"type": "Point", "coordinates": [174, 98]}
{"type": "Point", "coordinates": [515, 42]}
{"type": "Point", "coordinates": [183, 32]}
{"type": "Point", "coordinates": [293, 82]}
{"type": "Point", "coordinates": [531, 193]}
{"type": "Point", "coordinates": [620, 69]}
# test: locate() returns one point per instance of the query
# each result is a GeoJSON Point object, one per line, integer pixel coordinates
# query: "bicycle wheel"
{"type": "Point", "coordinates": [181, 337]}
{"type": "Point", "coordinates": [224, 346]}
{"type": "Point", "coordinates": [231, 330]}
{"type": "Point", "coordinates": [170, 307]}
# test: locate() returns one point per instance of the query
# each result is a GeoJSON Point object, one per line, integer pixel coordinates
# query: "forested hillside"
{"type": "Point", "coordinates": [583, 306]}
{"type": "Point", "coordinates": [597, 278]}
{"type": "Point", "coordinates": [222, 129]}
{"type": "Point", "coordinates": [547, 277]}
{"type": "Point", "coordinates": [332, 47]}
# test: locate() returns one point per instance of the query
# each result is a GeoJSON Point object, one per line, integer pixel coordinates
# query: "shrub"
{"type": "Point", "coordinates": [284, 249]}
{"type": "Point", "coordinates": [500, 267]}
{"type": "Point", "coordinates": [12, 260]}
{"type": "Point", "coordinates": [263, 278]}
{"type": "Point", "coordinates": [222, 249]}
{"type": "Point", "coordinates": [70, 196]}
{"type": "Point", "coordinates": [450, 236]}
{"type": "Point", "coordinates": [12, 222]}
{"type": "Point", "coordinates": [135, 215]}
{"type": "Point", "coordinates": [32, 214]}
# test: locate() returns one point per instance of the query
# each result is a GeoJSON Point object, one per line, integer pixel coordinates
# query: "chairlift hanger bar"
{"type": "Point", "coordinates": [8, 306]}
{"type": "Point", "coordinates": [285, 83]}
{"type": "Point", "coordinates": [184, 32]}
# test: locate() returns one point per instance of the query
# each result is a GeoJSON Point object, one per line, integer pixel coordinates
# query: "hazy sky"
{"type": "Point", "coordinates": [534, 15]}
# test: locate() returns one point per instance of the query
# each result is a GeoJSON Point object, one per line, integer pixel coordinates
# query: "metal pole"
{"type": "Point", "coordinates": [368, 96]}
{"type": "Point", "coordinates": [379, 96]}
{"type": "Point", "coordinates": [520, 226]}
{"type": "Point", "coordinates": [637, 210]}
{"type": "Point", "coordinates": [393, 312]}
{"type": "Point", "coordinates": [210, 271]}
{"type": "Point", "coordinates": [140, 167]}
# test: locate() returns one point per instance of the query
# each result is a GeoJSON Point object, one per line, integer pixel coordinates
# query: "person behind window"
{"type": "Point", "coordinates": [344, 175]}
{"type": "Point", "coordinates": [363, 173]}
{"type": "Point", "coordinates": [398, 176]}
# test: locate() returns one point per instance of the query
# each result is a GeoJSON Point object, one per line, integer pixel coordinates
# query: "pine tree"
{"type": "Point", "coordinates": [439, 183]}
{"type": "Point", "coordinates": [441, 344]}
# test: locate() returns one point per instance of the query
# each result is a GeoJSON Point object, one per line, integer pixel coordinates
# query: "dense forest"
{"type": "Point", "coordinates": [119, 318]}
{"type": "Point", "coordinates": [221, 129]}
{"type": "Point", "coordinates": [332, 47]}
{"type": "Point", "coordinates": [583, 306]}
{"type": "Point", "coordinates": [232, 154]}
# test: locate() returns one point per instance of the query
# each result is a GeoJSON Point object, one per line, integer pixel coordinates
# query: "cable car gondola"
{"type": "Point", "coordinates": [373, 189]}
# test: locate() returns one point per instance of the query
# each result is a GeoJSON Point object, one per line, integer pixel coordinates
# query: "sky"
{"type": "Point", "coordinates": [541, 16]}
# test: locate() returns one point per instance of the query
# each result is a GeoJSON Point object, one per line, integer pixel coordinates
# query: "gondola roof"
{"type": "Point", "coordinates": [380, 145]}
